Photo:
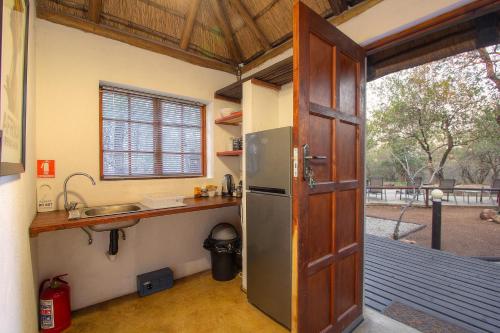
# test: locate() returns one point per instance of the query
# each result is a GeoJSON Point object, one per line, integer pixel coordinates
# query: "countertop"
{"type": "Point", "coordinates": [58, 220]}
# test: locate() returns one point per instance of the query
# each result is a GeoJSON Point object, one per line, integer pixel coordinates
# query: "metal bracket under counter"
{"type": "Point", "coordinates": [58, 220]}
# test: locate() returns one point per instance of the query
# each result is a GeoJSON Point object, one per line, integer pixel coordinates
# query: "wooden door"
{"type": "Point", "coordinates": [329, 79]}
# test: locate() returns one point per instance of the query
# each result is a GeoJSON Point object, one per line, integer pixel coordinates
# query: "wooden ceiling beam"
{"type": "Point", "coordinates": [338, 6]}
{"type": "Point", "coordinates": [188, 26]}
{"type": "Point", "coordinates": [94, 11]}
{"type": "Point", "coordinates": [247, 18]}
{"type": "Point", "coordinates": [169, 11]}
{"type": "Point", "coordinates": [266, 9]}
{"type": "Point", "coordinates": [227, 31]}
{"type": "Point", "coordinates": [134, 40]}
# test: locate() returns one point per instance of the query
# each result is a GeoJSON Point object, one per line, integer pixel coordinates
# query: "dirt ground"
{"type": "Point", "coordinates": [463, 232]}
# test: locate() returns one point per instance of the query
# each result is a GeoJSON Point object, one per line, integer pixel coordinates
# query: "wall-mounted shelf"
{"type": "Point", "coordinates": [230, 153]}
{"type": "Point", "coordinates": [234, 119]}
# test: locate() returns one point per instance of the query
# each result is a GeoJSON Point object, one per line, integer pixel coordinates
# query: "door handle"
{"type": "Point", "coordinates": [315, 157]}
{"type": "Point", "coordinates": [308, 171]}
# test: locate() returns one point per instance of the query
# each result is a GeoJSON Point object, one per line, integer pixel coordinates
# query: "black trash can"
{"type": "Point", "coordinates": [223, 243]}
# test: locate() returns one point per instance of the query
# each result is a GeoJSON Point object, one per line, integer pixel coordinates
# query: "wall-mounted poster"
{"type": "Point", "coordinates": [13, 55]}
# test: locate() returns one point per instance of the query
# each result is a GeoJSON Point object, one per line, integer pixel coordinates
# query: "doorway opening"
{"type": "Point", "coordinates": [432, 140]}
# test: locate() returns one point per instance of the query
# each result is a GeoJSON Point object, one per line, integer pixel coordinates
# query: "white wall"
{"type": "Point", "coordinates": [391, 16]}
{"type": "Point", "coordinates": [263, 113]}
{"type": "Point", "coordinates": [70, 64]}
{"type": "Point", "coordinates": [285, 105]}
{"type": "Point", "coordinates": [18, 294]}
{"type": "Point", "coordinates": [265, 108]}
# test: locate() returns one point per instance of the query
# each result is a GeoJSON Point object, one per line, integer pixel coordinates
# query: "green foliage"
{"type": "Point", "coordinates": [482, 158]}
{"type": "Point", "coordinates": [423, 114]}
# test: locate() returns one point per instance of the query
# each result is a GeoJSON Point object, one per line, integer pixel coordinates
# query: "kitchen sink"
{"type": "Point", "coordinates": [110, 210]}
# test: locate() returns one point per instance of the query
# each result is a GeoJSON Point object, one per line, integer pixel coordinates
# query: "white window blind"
{"type": "Point", "coordinates": [148, 136]}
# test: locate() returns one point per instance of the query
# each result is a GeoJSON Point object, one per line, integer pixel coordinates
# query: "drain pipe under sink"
{"type": "Point", "coordinates": [114, 235]}
{"type": "Point", "coordinates": [113, 244]}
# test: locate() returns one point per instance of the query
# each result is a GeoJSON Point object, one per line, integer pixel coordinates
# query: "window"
{"type": "Point", "coordinates": [150, 136]}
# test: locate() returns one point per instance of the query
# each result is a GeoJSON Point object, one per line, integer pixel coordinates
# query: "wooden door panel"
{"type": "Point", "coordinates": [327, 226]}
{"type": "Point", "coordinates": [345, 286]}
{"type": "Point", "coordinates": [323, 147]}
{"type": "Point", "coordinates": [321, 55]}
{"type": "Point", "coordinates": [347, 138]}
{"type": "Point", "coordinates": [345, 229]}
{"type": "Point", "coordinates": [319, 307]}
{"type": "Point", "coordinates": [320, 227]}
{"type": "Point", "coordinates": [347, 78]}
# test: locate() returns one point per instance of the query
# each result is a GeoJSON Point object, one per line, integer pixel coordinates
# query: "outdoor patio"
{"type": "Point", "coordinates": [429, 289]}
{"type": "Point", "coordinates": [462, 231]}
{"type": "Point", "coordinates": [464, 197]}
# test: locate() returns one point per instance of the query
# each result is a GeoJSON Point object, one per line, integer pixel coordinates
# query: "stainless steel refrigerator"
{"type": "Point", "coordinates": [269, 221]}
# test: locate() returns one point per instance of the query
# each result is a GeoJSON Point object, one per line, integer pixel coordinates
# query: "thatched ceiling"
{"type": "Point", "coordinates": [220, 34]}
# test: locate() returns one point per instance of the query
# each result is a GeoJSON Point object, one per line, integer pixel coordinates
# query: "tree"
{"type": "Point", "coordinates": [490, 58]}
{"type": "Point", "coordinates": [482, 158]}
{"type": "Point", "coordinates": [411, 176]}
{"type": "Point", "coordinates": [434, 107]}
{"type": "Point", "coordinates": [485, 59]}
{"type": "Point", "coordinates": [478, 162]}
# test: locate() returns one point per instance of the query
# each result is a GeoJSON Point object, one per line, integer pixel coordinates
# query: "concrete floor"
{"type": "Point", "coordinates": [196, 304]}
{"type": "Point", "coordinates": [375, 322]}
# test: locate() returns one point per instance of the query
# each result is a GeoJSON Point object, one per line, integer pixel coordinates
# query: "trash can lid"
{"type": "Point", "coordinates": [224, 231]}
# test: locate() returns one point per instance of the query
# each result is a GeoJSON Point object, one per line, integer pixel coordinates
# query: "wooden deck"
{"type": "Point", "coordinates": [462, 291]}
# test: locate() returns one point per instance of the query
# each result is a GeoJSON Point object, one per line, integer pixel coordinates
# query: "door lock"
{"type": "Point", "coordinates": [308, 171]}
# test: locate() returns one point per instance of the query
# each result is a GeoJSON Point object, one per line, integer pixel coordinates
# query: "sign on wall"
{"type": "Point", "coordinates": [46, 168]}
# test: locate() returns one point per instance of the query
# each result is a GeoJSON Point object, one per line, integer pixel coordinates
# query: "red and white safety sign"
{"type": "Point", "coordinates": [46, 168]}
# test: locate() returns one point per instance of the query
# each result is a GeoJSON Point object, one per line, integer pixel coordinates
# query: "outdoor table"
{"type": "Point", "coordinates": [428, 188]}
{"type": "Point", "coordinates": [468, 193]}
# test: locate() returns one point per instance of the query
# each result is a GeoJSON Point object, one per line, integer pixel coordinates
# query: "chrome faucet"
{"type": "Point", "coordinates": [72, 205]}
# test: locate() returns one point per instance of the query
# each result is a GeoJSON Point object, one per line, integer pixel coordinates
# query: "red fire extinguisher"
{"type": "Point", "coordinates": [55, 308]}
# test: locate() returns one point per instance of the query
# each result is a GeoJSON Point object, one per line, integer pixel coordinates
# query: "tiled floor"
{"type": "Point", "coordinates": [196, 304]}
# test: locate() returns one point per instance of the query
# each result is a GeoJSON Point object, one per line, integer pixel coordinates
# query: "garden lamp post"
{"type": "Point", "coordinates": [436, 194]}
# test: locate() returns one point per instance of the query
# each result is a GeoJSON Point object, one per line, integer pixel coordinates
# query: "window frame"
{"type": "Point", "coordinates": [157, 154]}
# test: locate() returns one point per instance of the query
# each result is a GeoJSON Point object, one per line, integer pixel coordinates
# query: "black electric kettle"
{"type": "Point", "coordinates": [227, 185]}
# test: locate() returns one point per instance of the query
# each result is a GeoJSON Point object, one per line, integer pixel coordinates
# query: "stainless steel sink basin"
{"type": "Point", "coordinates": [114, 225]}
{"type": "Point", "coordinates": [110, 210]}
